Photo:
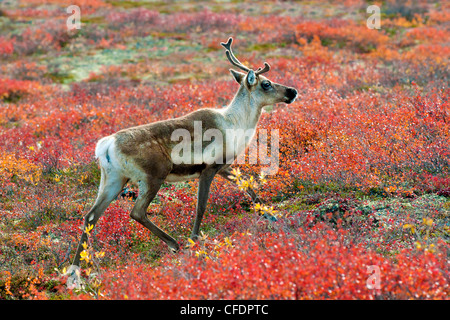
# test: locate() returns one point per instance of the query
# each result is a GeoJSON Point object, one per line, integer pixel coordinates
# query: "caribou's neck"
{"type": "Point", "coordinates": [243, 112]}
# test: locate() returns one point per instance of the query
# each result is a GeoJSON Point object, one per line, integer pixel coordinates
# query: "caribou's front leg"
{"type": "Point", "coordinates": [204, 185]}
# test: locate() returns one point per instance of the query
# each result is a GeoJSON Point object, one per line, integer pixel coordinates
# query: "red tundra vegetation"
{"type": "Point", "coordinates": [363, 185]}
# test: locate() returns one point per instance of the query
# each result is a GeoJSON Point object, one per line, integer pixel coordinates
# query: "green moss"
{"type": "Point", "coordinates": [93, 20]}
{"type": "Point", "coordinates": [263, 47]}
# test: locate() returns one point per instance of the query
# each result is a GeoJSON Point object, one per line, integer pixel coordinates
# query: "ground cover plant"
{"type": "Point", "coordinates": [362, 194]}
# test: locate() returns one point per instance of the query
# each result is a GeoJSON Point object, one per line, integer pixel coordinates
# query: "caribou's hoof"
{"type": "Point", "coordinates": [270, 217]}
{"type": "Point", "coordinates": [174, 247]}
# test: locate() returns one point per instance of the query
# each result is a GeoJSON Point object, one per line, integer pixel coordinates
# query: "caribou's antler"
{"type": "Point", "coordinates": [261, 71]}
{"type": "Point", "coordinates": [234, 61]}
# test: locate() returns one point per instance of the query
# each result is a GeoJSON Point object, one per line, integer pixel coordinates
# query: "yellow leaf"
{"type": "Point", "coordinates": [262, 178]}
{"type": "Point", "coordinates": [228, 242]}
{"type": "Point", "coordinates": [236, 173]}
{"type": "Point", "coordinates": [191, 243]}
{"type": "Point", "coordinates": [204, 236]}
{"type": "Point", "coordinates": [84, 255]}
{"type": "Point", "coordinates": [88, 229]}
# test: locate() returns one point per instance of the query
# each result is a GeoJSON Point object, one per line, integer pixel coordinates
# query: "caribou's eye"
{"type": "Point", "coordinates": [266, 85]}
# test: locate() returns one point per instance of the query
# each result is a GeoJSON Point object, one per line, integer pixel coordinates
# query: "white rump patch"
{"type": "Point", "coordinates": [105, 151]}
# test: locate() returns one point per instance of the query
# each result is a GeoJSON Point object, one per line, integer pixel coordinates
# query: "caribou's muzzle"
{"type": "Point", "coordinates": [291, 95]}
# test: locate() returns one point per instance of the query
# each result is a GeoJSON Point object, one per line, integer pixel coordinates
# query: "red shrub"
{"type": "Point", "coordinates": [6, 46]}
{"type": "Point", "coordinates": [371, 120]}
{"type": "Point", "coordinates": [312, 264]}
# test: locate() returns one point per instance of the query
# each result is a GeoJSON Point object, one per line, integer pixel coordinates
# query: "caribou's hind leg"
{"type": "Point", "coordinates": [111, 183]}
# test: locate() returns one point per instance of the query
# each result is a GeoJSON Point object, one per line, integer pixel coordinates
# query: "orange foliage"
{"type": "Point", "coordinates": [371, 122]}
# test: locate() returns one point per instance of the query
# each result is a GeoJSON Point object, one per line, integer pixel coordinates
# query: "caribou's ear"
{"type": "Point", "coordinates": [238, 76]}
{"type": "Point", "coordinates": [251, 78]}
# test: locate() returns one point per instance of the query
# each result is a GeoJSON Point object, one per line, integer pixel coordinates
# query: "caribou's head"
{"type": "Point", "coordinates": [262, 90]}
